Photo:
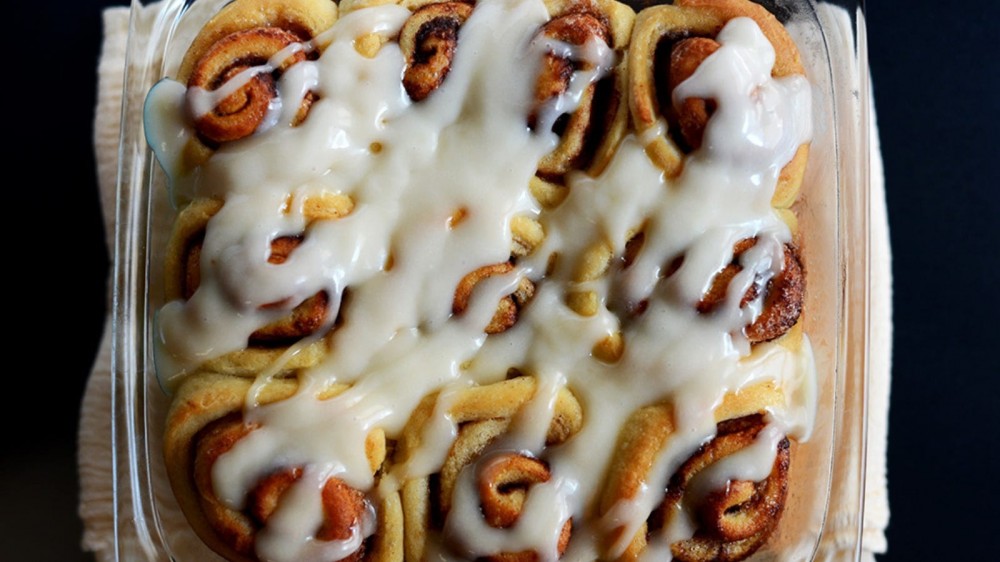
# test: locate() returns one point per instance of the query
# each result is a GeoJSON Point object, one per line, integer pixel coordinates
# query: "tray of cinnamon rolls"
{"type": "Point", "coordinates": [470, 280]}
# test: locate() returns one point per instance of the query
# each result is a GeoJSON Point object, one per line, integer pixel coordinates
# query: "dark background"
{"type": "Point", "coordinates": [936, 76]}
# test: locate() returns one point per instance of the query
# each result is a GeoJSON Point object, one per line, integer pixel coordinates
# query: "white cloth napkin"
{"type": "Point", "coordinates": [95, 459]}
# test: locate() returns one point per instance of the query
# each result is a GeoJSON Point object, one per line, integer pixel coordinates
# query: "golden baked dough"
{"type": "Point", "coordinates": [648, 432]}
{"type": "Point", "coordinates": [205, 421]}
{"type": "Point", "coordinates": [182, 268]}
{"type": "Point", "coordinates": [482, 415]}
{"type": "Point", "coordinates": [592, 132]}
{"type": "Point", "coordinates": [685, 30]}
{"type": "Point", "coordinates": [243, 34]}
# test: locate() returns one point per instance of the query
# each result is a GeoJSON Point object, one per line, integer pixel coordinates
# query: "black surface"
{"type": "Point", "coordinates": [937, 87]}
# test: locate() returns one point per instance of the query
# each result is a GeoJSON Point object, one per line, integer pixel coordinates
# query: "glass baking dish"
{"type": "Point", "coordinates": [833, 211]}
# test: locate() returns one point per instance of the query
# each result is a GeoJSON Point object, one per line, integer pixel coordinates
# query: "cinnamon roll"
{"type": "Point", "coordinates": [481, 468]}
{"type": "Point", "coordinates": [293, 320]}
{"type": "Point", "coordinates": [707, 510]}
{"type": "Point", "coordinates": [233, 487]}
{"type": "Point", "coordinates": [781, 296]}
{"type": "Point", "coordinates": [232, 67]}
{"type": "Point", "coordinates": [737, 518]}
{"type": "Point", "coordinates": [428, 41]}
{"type": "Point", "coordinates": [527, 234]}
{"type": "Point", "coordinates": [669, 44]}
{"type": "Point", "coordinates": [588, 39]}
{"type": "Point", "coordinates": [509, 306]}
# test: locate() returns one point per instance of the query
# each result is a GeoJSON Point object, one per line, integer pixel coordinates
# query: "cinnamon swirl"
{"type": "Point", "coordinates": [580, 39]}
{"type": "Point", "coordinates": [707, 510]}
{"type": "Point", "coordinates": [228, 510]}
{"type": "Point", "coordinates": [484, 463]}
{"type": "Point", "coordinates": [282, 323]}
{"type": "Point", "coordinates": [232, 66]}
{"type": "Point", "coordinates": [670, 43]}
{"type": "Point", "coordinates": [428, 41]}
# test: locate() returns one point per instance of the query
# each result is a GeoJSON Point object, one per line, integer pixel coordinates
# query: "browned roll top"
{"type": "Point", "coordinates": [732, 522]}
{"type": "Point", "coordinates": [783, 294]}
{"type": "Point", "coordinates": [593, 129]}
{"type": "Point", "coordinates": [206, 422]}
{"type": "Point", "coordinates": [236, 48]}
{"type": "Point", "coordinates": [428, 40]}
{"type": "Point", "coordinates": [692, 114]}
{"type": "Point", "coordinates": [303, 319]}
{"type": "Point", "coordinates": [676, 57]}
{"type": "Point", "coordinates": [503, 482]}
{"type": "Point", "coordinates": [509, 307]}
{"type": "Point", "coordinates": [557, 70]}
{"type": "Point", "coordinates": [343, 506]}
{"type": "Point", "coordinates": [240, 113]}
{"type": "Point", "coordinates": [503, 479]}
{"type": "Point", "coordinates": [670, 42]}
{"type": "Point", "coordinates": [503, 487]}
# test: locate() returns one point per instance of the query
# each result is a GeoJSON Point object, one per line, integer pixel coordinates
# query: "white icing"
{"type": "Point", "coordinates": [467, 147]}
{"type": "Point", "coordinates": [763, 112]}
{"type": "Point", "coordinates": [288, 536]}
{"type": "Point", "coordinates": [166, 125]}
{"type": "Point", "coordinates": [752, 463]}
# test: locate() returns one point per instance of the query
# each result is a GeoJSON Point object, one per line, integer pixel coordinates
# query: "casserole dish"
{"type": "Point", "coordinates": [409, 399]}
